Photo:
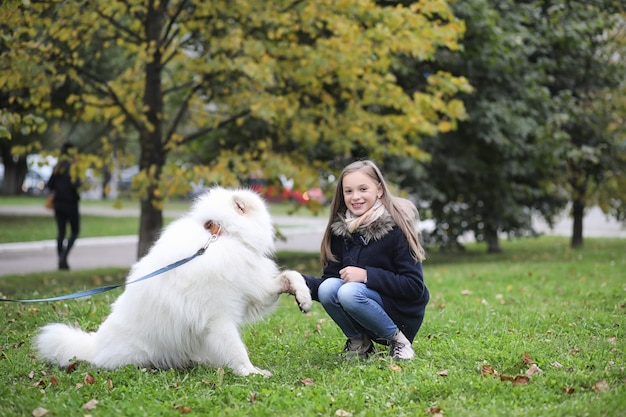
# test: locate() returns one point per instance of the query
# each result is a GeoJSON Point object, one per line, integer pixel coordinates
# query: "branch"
{"type": "Point", "coordinates": [203, 132]}
{"type": "Point", "coordinates": [181, 111]}
{"type": "Point", "coordinates": [123, 29]}
{"type": "Point", "coordinates": [103, 87]}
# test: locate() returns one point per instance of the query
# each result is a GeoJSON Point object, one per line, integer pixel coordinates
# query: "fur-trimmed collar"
{"type": "Point", "coordinates": [375, 231]}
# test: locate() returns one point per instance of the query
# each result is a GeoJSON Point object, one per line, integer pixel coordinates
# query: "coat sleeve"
{"type": "Point", "coordinates": [404, 279]}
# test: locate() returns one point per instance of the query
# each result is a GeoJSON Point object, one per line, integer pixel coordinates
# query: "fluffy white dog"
{"type": "Point", "coordinates": [192, 314]}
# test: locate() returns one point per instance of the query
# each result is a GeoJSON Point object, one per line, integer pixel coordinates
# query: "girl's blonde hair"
{"type": "Point", "coordinates": [402, 211]}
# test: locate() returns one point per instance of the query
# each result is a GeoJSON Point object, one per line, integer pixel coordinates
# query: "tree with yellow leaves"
{"type": "Point", "coordinates": [254, 85]}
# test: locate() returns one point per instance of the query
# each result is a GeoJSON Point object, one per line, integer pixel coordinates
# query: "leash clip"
{"type": "Point", "coordinates": [211, 239]}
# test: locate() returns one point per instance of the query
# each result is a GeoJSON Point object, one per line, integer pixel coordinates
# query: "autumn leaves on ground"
{"type": "Point", "coordinates": [536, 330]}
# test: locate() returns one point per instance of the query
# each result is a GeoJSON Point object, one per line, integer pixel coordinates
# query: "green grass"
{"type": "Point", "coordinates": [563, 308]}
{"type": "Point", "coordinates": [19, 228]}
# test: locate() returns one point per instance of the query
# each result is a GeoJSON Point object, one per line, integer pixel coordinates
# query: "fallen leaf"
{"type": "Point", "coordinates": [90, 405]}
{"type": "Point", "coordinates": [31, 374]}
{"type": "Point", "coordinates": [435, 409]}
{"type": "Point", "coordinates": [443, 372]}
{"type": "Point", "coordinates": [601, 386]}
{"type": "Point", "coordinates": [520, 380]}
{"type": "Point", "coordinates": [466, 292]}
{"type": "Point", "coordinates": [556, 365]}
{"type": "Point", "coordinates": [39, 412]}
{"type": "Point", "coordinates": [488, 370]}
{"type": "Point", "coordinates": [89, 379]}
{"type": "Point", "coordinates": [252, 397]}
{"type": "Point", "coordinates": [394, 367]}
{"type": "Point", "coordinates": [574, 351]}
{"type": "Point", "coordinates": [71, 367]}
{"type": "Point", "coordinates": [307, 381]}
{"type": "Point", "coordinates": [184, 409]}
{"type": "Point", "coordinates": [527, 359]}
{"type": "Point", "coordinates": [54, 380]}
{"type": "Point", "coordinates": [343, 413]}
{"type": "Point", "coordinates": [109, 383]}
{"type": "Point", "coordinates": [568, 390]}
{"type": "Point", "coordinates": [534, 370]}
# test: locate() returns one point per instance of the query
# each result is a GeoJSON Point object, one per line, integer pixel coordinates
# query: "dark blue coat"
{"type": "Point", "coordinates": [391, 271]}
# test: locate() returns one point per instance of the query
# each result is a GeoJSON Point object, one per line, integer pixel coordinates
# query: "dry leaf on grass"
{"type": "Point", "coordinates": [39, 412]}
{"type": "Point", "coordinates": [534, 370]}
{"type": "Point", "coordinates": [71, 367]}
{"type": "Point", "coordinates": [184, 409]}
{"type": "Point", "coordinates": [466, 292]}
{"type": "Point", "coordinates": [517, 380]}
{"type": "Point", "coordinates": [488, 370]}
{"type": "Point", "coordinates": [601, 386]}
{"type": "Point", "coordinates": [343, 413]}
{"type": "Point", "coordinates": [90, 405]}
{"type": "Point", "coordinates": [435, 410]}
{"type": "Point", "coordinates": [89, 379]}
{"type": "Point", "coordinates": [443, 372]}
{"type": "Point", "coordinates": [527, 359]}
{"type": "Point", "coordinates": [307, 381]}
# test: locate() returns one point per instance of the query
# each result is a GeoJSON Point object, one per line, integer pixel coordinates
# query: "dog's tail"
{"type": "Point", "coordinates": [61, 344]}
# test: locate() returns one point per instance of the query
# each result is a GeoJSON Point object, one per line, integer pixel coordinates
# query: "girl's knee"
{"type": "Point", "coordinates": [327, 291]}
{"type": "Point", "coordinates": [351, 293]}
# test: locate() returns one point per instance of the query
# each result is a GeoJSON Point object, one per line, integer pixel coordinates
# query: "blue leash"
{"type": "Point", "coordinates": [112, 287]}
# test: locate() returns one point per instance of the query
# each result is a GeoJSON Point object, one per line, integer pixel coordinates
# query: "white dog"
{"type": "Point", "coordinates": [191, 314]}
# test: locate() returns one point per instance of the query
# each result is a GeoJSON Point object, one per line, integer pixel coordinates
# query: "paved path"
{"type": "Point", "coordinates": [302, 234]}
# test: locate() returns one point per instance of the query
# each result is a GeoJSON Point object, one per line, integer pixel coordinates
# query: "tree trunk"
{"type": "Point", "coordinates": [152, 150]}
{"type": "Point", "coordinates": [14, 171]}
{"type": "Point", "coordinates": [493, 243]}
{"type": "Point", "coordinates": [578, 213]}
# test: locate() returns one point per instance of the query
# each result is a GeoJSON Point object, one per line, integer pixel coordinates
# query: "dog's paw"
{"type": "Point", "coordinates": [293, 283]}
{"type": "Point", "coordinates": [251, 370]}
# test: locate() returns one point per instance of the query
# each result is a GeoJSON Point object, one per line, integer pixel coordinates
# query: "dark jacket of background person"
{"type": "Point", "coordinates": [65, 204]}
{"type": "Point", "coordinates": [66, 195]}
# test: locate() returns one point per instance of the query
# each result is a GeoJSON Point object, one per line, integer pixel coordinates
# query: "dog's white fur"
{"type": "Point", "coordinates": [191, 314]}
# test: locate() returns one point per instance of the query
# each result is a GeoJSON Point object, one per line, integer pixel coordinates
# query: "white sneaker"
{"type": "Point", "coordinates": [401, 347]}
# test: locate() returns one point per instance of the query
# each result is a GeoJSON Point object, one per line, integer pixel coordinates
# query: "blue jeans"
{"type": "Point", "coordinates": [356, 309]}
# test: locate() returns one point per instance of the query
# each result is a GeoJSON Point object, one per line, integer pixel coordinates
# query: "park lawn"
{"type": "Point", "coordinates": [492, 321]}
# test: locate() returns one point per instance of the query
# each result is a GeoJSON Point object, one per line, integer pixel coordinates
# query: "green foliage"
{"type": "Point", "coordinates": [516, 155]}
{"type": "Point", "coordinates": [539, 302]}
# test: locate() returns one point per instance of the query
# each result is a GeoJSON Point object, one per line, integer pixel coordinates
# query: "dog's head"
{"type": "Point", "coordinates": [239, 213]}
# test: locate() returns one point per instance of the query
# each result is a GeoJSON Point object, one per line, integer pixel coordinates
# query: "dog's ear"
{"type": "Point", "coordinates": [240, 205]}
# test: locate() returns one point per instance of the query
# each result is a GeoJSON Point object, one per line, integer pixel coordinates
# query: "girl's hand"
{"type": "Point", "coordinates": [353, 274]}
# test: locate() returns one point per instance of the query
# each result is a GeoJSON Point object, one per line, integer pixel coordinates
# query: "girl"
{"type": "Point", "coordinates": [372, 284]}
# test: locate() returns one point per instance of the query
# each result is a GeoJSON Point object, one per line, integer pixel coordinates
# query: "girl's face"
{"type": "Point", "coordinates": [360, 192]}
